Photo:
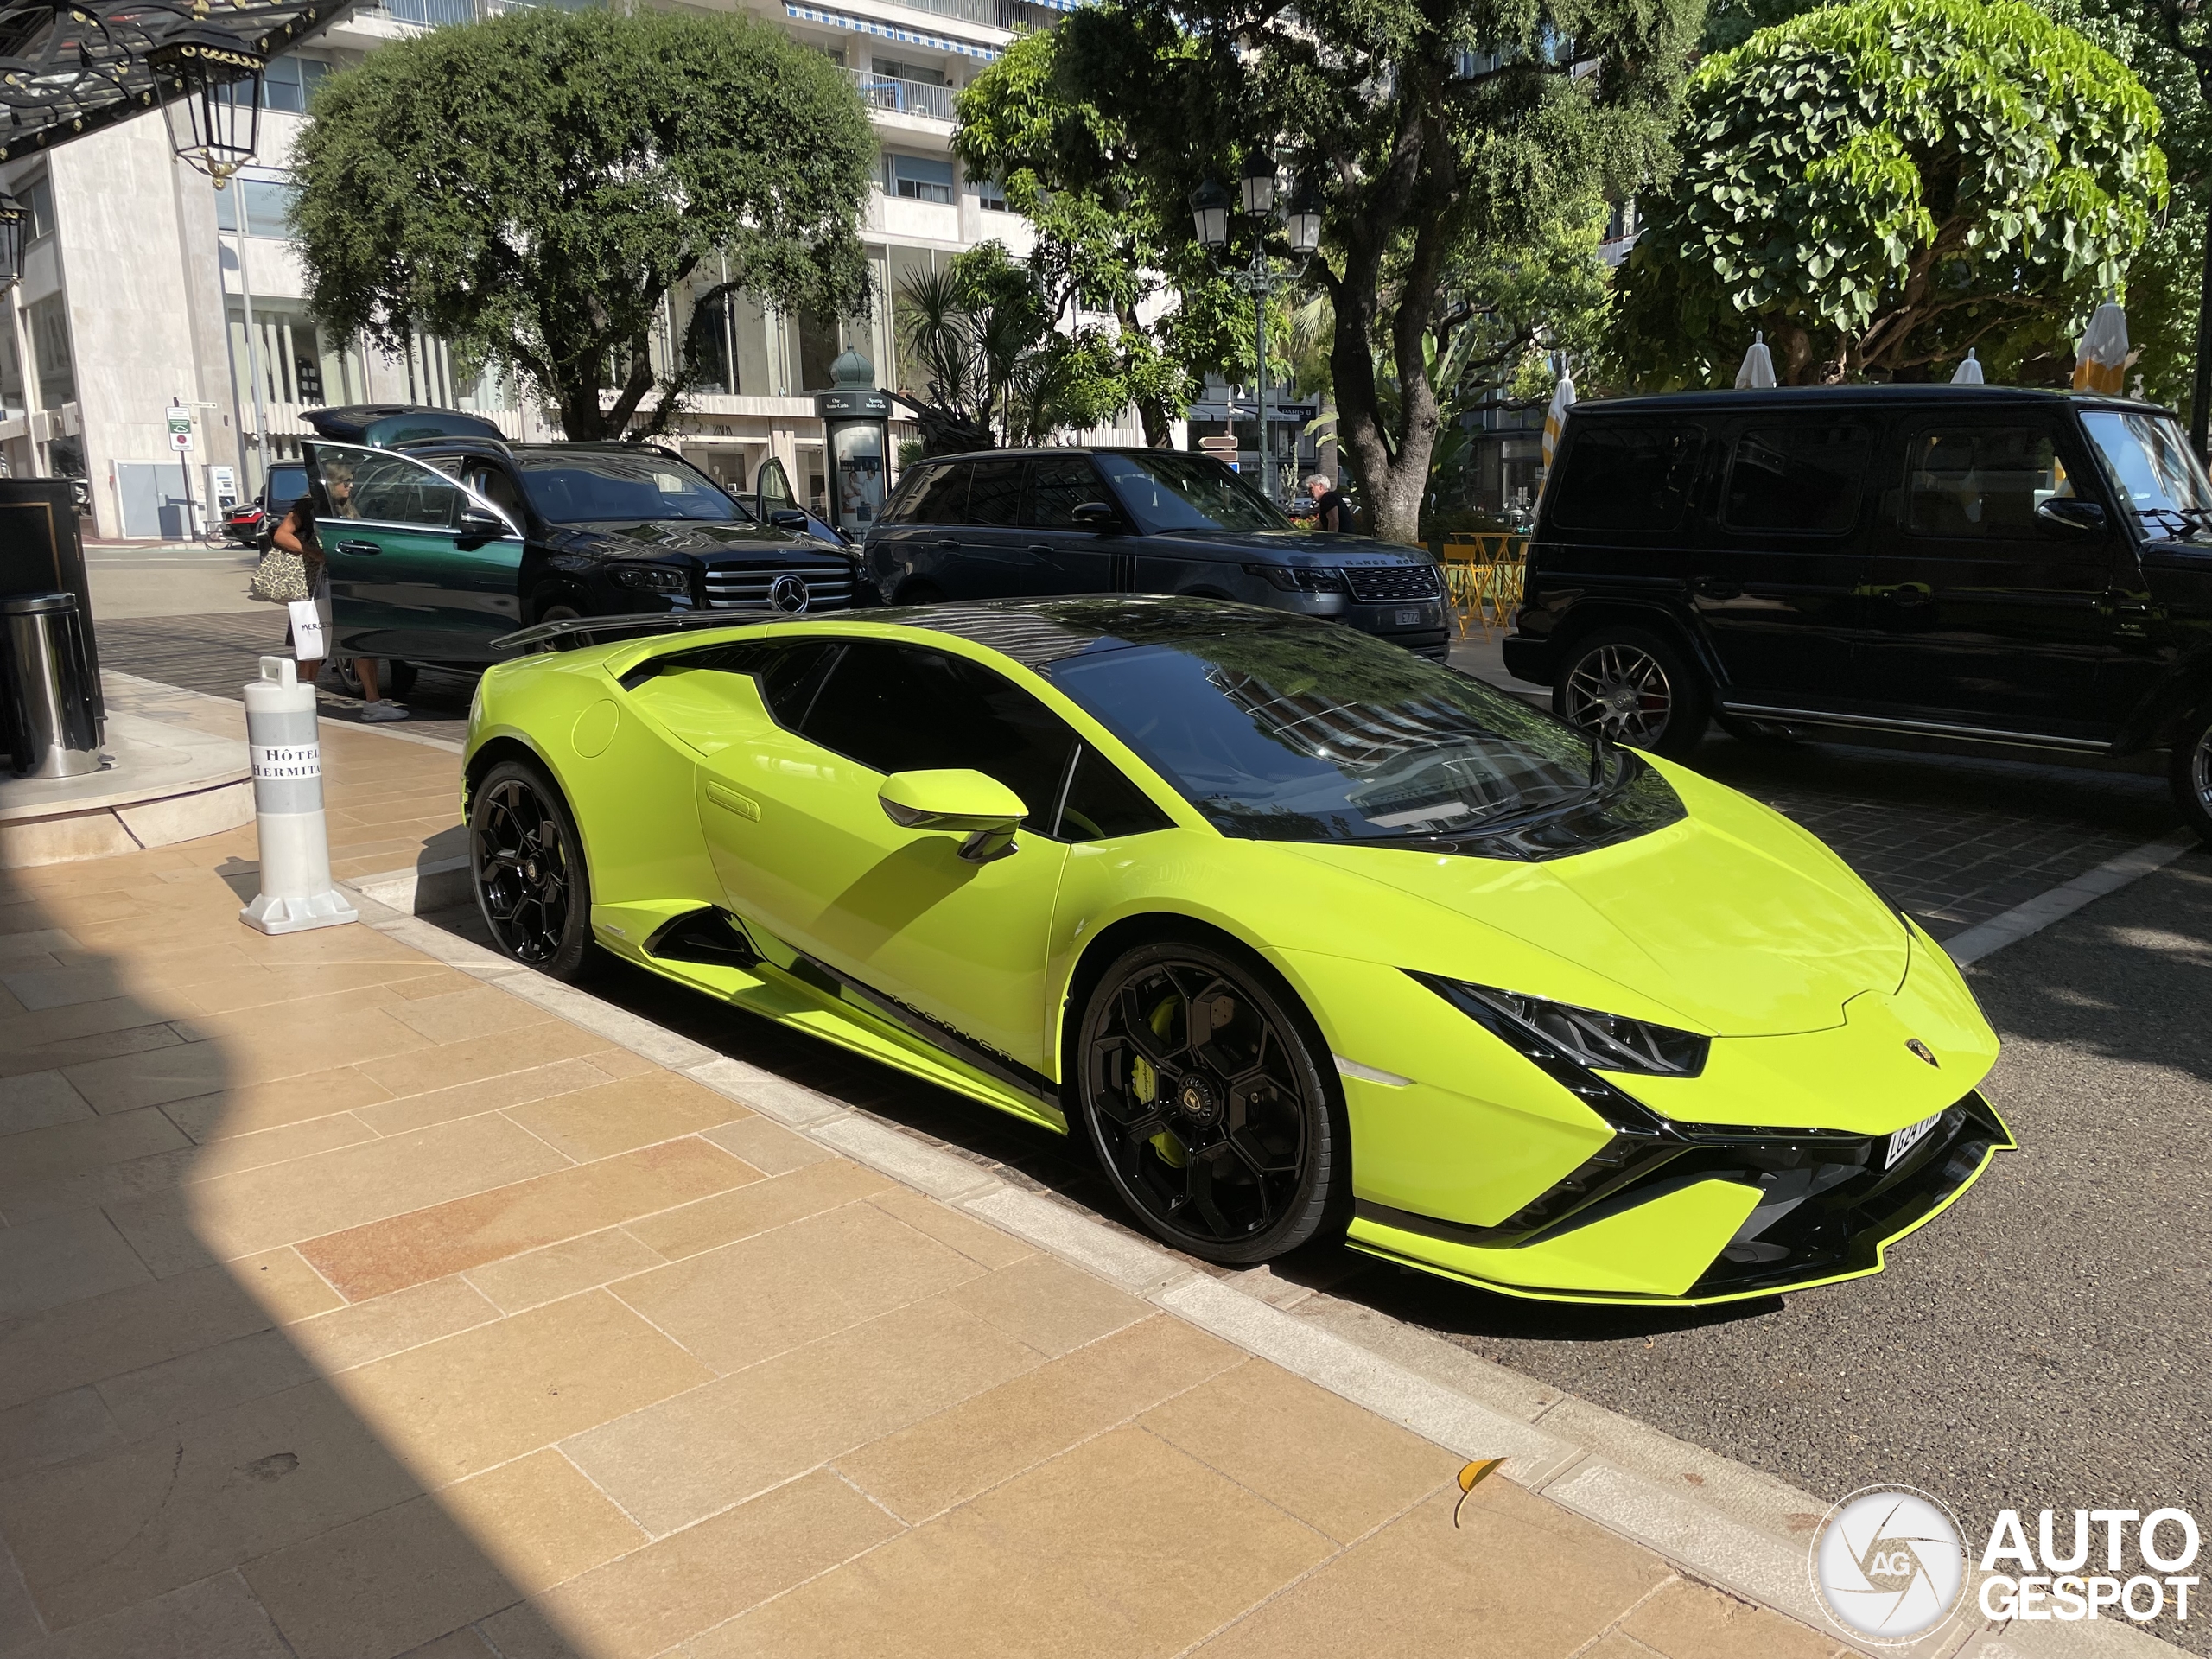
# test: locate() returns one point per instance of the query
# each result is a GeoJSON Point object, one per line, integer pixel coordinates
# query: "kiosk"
{"type": "Point", "coordinates": [856, 417]}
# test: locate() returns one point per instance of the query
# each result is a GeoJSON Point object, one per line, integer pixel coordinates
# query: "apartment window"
{"type": "Point", "coordinates": [289, 83]}
{"type": "Point", "coordinates": [918, 178]}
{"type": "Point", "coordinates": [37, 197]}
{"type": "Point", "coordinates": [989, 192]}
{"type": "Point", "coordinates": [286, 349]}
{"type": "Point", "coordinates": [57, 372]}
{"type": "Point", "coordinates": [268, 207]}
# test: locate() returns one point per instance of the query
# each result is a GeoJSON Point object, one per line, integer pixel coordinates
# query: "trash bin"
{"type": "Point", "coordinates": [53, 718]}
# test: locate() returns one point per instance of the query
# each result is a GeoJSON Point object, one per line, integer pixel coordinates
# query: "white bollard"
{"type": "Point", "coordinates": [279, 733]}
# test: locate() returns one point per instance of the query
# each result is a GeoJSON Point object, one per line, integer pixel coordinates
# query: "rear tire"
{"type": "Point", "coordinates": [532, 886]}
{"type": "Point", "coordinates": [1218, 1126]}
{"type": "Point", "coordinates": [2190, 773]}
{"type": "Point", "coordinates": [1638, 686]}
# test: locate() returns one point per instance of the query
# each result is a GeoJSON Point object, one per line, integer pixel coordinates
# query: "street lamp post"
{"type": "Point", "coordinates": [1211, 215]}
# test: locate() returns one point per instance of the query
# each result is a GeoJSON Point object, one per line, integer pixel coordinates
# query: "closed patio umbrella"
{"type": "Point", "coordinates": [1758, 365]}
{"type": "Point", "coordinates": [1969, 372]}
{"type": "Point", "coordinates": [2104, 356]}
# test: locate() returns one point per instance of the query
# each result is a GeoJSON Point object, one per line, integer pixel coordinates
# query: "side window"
{"type": "Point", "coordinates": [940, 499]}
{"type": "Point", "coordinates": [1622, 475]}
{"type": "Point", "coordinates": [788, 671]}
{"type": "Point", "coordinates": [1058, 485]}
{"type": "Point", "coordinates": [1103, 806]}
{"type": "Point", "coordinates": [1802, 479]}
{"type": "Point", "coordinates": [910, 709]}
{"type": "Point", "coordinates": [995, 493]}
{"type": "Point", "coordinates": [492, 482]}
{"type": "Point", "coordinates": [393, 489]}
{"type": "Point", "coordinates": [1974, 482]}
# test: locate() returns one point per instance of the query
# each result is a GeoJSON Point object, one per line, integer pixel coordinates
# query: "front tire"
{"type": "Point", "coordinates": [1205, 1100]}
{"type": "Point", "coordinates": [2190, 773]}
{"type": "Point", "coordinates": [532, 887]}
{"type": "Point", "coordinates": [1637, 688]}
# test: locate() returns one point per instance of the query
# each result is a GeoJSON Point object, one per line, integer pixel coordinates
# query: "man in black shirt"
{"type": "Point", "coordinates": [1331, 512]}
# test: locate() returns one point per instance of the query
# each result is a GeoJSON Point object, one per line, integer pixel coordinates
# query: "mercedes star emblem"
{"type": "Point", "coordinates": [788, 594]}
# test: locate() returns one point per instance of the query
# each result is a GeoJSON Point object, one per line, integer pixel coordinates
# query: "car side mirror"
{"type": "Point", "coordinates": [2071, 512]}
{"type": "Point", "coordinates": [960, 800]}
{"type": "Point", "coordinates": [1095, 515]}
{"type": "Point", "coordinates": [480, 524]}
{"type": "Point", "coordinates": [786, 518]}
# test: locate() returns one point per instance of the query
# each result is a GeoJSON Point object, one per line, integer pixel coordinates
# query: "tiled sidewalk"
{"type": "Point", "coordinates": [352, 1307]}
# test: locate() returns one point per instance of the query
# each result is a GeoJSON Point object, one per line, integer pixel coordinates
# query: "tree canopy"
{"type": "Point", "coordinates": [532, 187]}
{"type": "Point", "coordinates": [1879, 187]}
{"type": "Point", "coordinates": [1428, 128]}
{"type": "Point", "coordinates": [1111, 237]}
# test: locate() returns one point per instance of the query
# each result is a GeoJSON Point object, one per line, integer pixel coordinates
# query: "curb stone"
{"type": "Point", "coordinates": [1610, 1469]}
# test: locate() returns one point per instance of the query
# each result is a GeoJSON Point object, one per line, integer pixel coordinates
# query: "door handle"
{"type": "Point", "coordinates": [1909, 596]}
{"type": "Point", "coordinates": [948, 545]}
{"type": "Point", "coordinates": [1039, 547]}
{"type": "Point", "coordinates": [355, 547]}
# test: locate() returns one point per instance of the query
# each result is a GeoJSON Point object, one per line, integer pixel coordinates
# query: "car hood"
{"type": "Point", "coordinates": [1733, 917]}
{"type": "Point", "coordinates": [1303, 544]}
{"type": "Point", "coordinates": [659, 538]}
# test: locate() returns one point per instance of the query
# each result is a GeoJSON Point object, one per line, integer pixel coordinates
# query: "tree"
{"type": "Point", "coordinates": [532, 189]}
{"type": "Point", "coordinates": [1110, 237]}
{"type": "Point", "coordinates": [972, 328]}
{"type": "Point", "coordinates": [1879, 187]}
{"type": "Point", "coordinates": [1427, 127]}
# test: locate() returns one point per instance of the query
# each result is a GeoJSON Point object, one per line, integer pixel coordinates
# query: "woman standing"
{"type": "Point", "coordinates": [298, 534]}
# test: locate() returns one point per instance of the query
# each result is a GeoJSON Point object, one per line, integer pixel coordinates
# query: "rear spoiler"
{"type": "Point", "coordinates": [576, 632]}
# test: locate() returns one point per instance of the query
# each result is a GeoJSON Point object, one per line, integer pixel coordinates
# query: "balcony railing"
{"type": "Point", "coordinates": [435, 14]}
{"type": "Point", "coordinates": [899, 97]}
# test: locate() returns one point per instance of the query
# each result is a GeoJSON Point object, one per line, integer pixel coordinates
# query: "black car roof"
{"type": "Point", "coordinates": [1940, 392]}
{"type": "Point", "coordinates": [1060, 449]}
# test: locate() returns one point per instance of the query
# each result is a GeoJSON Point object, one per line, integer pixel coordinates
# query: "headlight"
{"type": "Point", "coordinates": [1548, 1032]}
{"type": "Point", "coordinates": [652, 578]}
{"type": "Point", "coordinates": [1299, 579]}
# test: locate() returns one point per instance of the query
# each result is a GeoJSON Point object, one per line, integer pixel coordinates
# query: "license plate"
{"type": "Point", "coordinates": [1408, 619]}
{"type": "Point", "coordinates": [1906, 1138]}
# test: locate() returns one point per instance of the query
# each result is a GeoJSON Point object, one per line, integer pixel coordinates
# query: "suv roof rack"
{"type": "Point", "coordinates": [576, 632]}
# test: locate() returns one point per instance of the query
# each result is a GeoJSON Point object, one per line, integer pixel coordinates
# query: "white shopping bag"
{"type": "Point", "coordinates": [306, 631]}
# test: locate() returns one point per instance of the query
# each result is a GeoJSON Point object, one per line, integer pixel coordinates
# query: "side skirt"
{"type": "Point", "coordinates": [713, 952]}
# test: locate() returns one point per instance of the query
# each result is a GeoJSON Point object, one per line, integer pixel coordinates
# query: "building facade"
{"type": "Point", "coordinates": [150, 299]}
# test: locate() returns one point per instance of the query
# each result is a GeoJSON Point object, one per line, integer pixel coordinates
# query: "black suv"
{"type": "Point", "coordinates": [2009, 566]}
{"type": "Point", "coordinates": [438, 548]}
{"type": "Point", "coordinates": [1030, 524]}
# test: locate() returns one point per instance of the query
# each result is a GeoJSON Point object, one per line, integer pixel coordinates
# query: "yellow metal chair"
{"type": "Point", "coordinates": [1482, 578]}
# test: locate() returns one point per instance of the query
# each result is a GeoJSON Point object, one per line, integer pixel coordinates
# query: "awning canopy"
{"type": "Point", "coordinates": [887, 31]}
{"type": "Point", "coordinates": [66, 70]}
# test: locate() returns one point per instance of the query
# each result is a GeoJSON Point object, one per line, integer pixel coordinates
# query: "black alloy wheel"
{"type": "Point", "coordinates": [1204, 1101]}
{"type": "Point", "coordinates": [2191, 775]}
{"type": "Point", "coordinates": [532, 884]}
{"type": "Point", "coordinates": [1635, 687]}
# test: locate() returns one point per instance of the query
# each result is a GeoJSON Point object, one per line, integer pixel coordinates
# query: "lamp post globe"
{"type": "Point", "coordinates": [1210, 205]}
{"type": "Point", "coordinates": [213, 106]}
{"type": "Point", "coordinates": [13, 216]}
{"type": "Point", "coordinates": [1258, 184]}
{"type": "Point", "coordinates": [1303, 223]}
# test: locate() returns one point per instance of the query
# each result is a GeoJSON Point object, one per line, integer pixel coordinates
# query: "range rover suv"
{"type": "Point", "coordinates": [2005, 565]}
{"type": "Point", "coordinates": [1028, 524]}
{"type": "Point", "coordinates": [437, 550]}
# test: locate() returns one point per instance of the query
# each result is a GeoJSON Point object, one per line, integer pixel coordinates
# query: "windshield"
{"type": "Point", "coordinates": [1165, 490]}
{"type": "Point", "coordinates": [595, 486]}
{"type": "Point", "coordinates": [2152, 463]}
{"type": "Point", "coordinates": [1307, 732]}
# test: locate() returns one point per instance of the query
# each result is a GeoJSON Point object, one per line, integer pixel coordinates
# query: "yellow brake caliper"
{"type": "Point", "coordinates": [1146, 1082]}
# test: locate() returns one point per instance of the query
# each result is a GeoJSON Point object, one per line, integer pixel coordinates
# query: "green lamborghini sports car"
{"type": "Point", "coordinates": [1298, 931]}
